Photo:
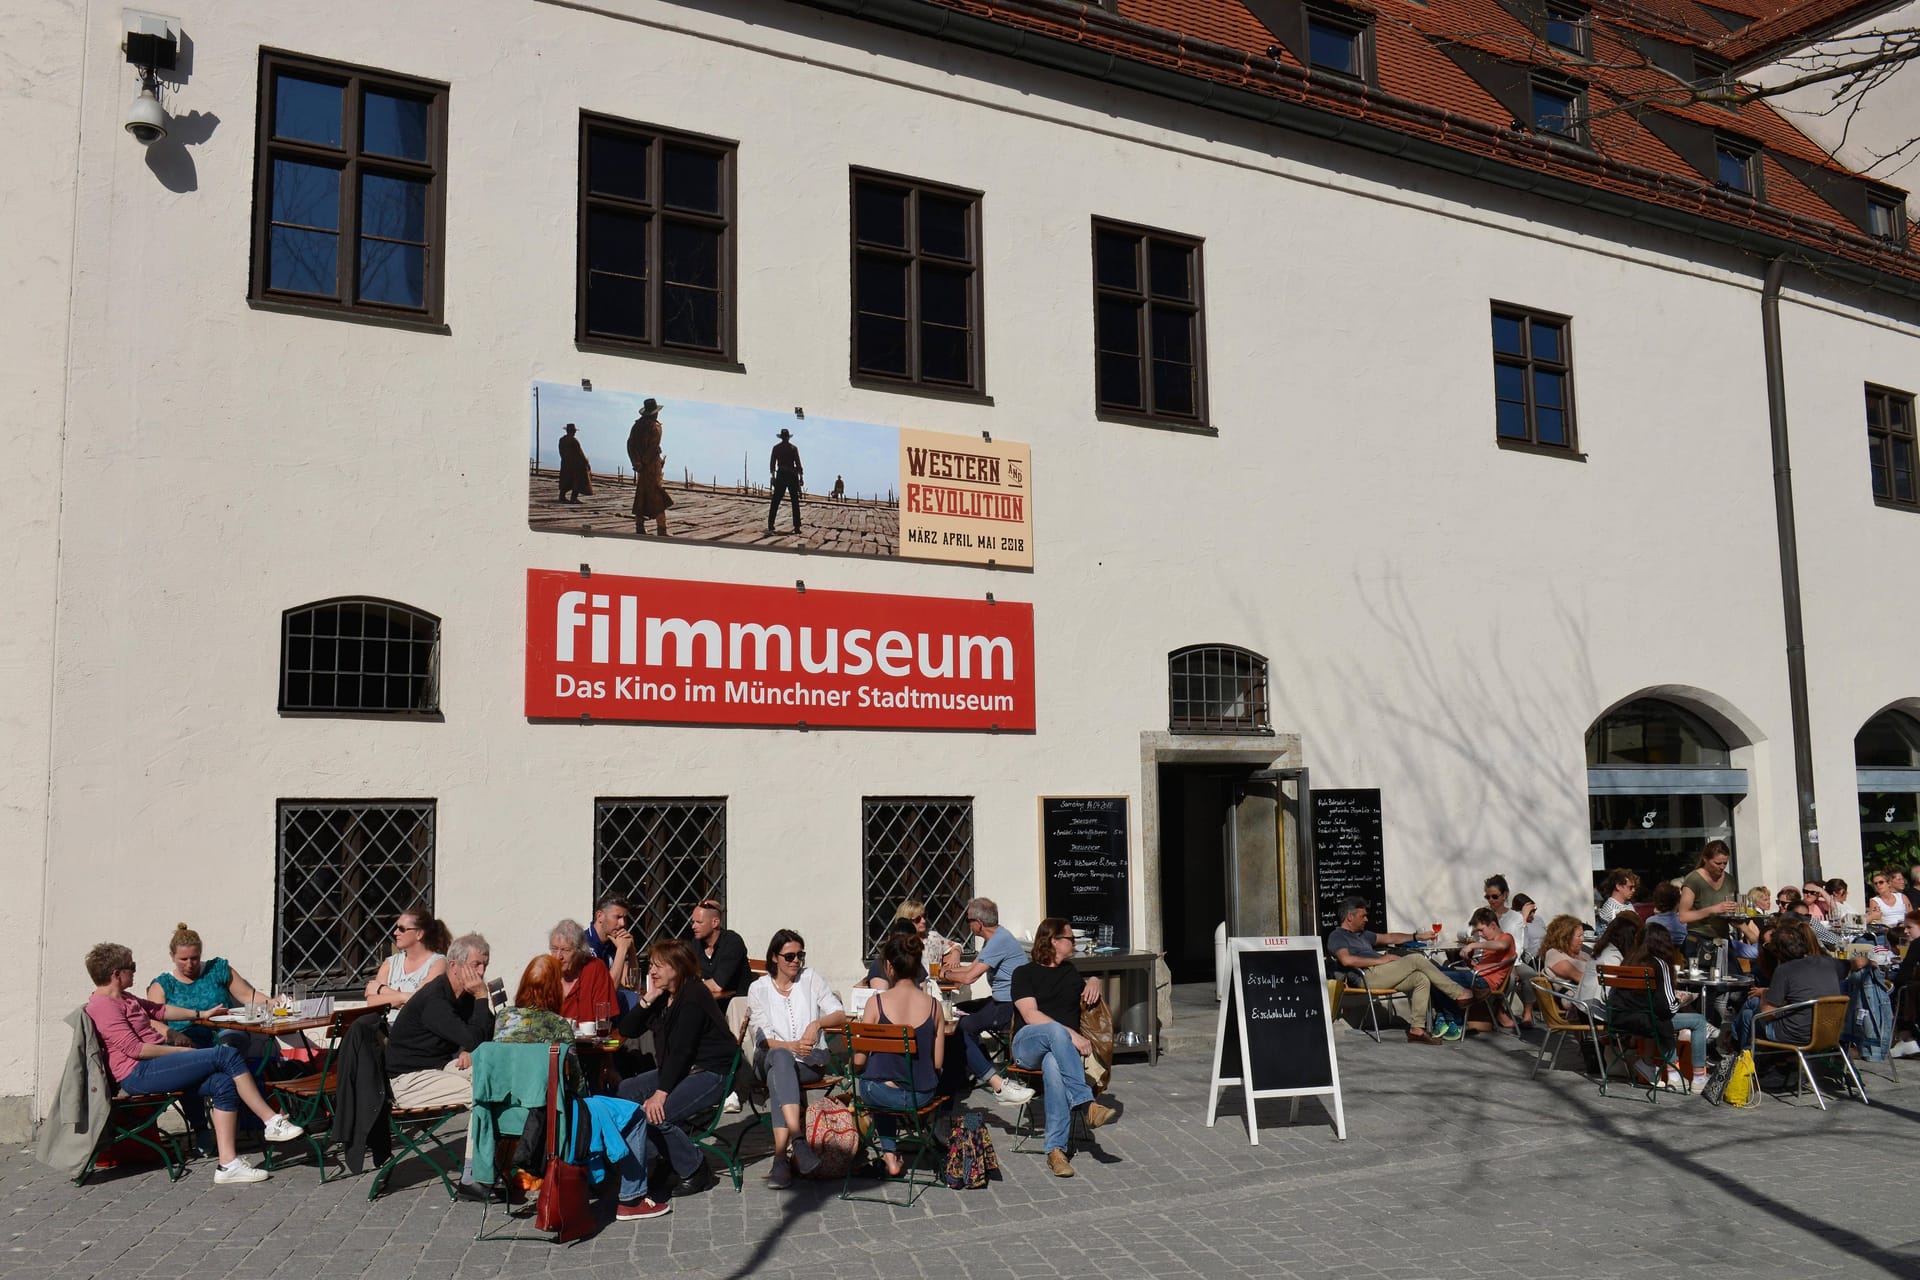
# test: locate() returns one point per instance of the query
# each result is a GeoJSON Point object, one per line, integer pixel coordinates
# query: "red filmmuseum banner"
{"type": "Point", "coordinates": [669, 651]}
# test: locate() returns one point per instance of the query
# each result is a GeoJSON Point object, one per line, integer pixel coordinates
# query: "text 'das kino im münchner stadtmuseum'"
{"type": "Point", "coordinates": [680, 652]}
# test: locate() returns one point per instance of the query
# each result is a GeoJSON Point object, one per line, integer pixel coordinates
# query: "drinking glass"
{"type": "Point", "coordinates": [603, 1017]}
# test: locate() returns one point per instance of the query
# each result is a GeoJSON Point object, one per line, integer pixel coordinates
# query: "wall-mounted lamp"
{"type": "Point", "coordinates": [153, 46]}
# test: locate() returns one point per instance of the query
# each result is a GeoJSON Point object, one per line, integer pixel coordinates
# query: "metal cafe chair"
{"type": "Point", "coordinates": [1823, 1041]}
{"type": "Point", "coordinates": [1553, 1000]}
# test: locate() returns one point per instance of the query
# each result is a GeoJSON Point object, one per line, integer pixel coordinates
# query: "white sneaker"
{"type": "Point", "coordinates": [239, 1171]}
{"type": "Point", "coordinates": [281, 1129]}
{"type": "Point", "coordinates": [1905, 1049]}
{"type": "Point", "coordinates": [732, 1104]}
{"type": "Point", "coordinates": [1013, 1093]}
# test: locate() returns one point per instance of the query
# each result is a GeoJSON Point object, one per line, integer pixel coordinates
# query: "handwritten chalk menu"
{"type": "Point", "coordinates": [1083, 865]}
{"type": "Point", "coordinates": [1276, 1029]}
{"type": "Point", "coordinates": [1348, 856]}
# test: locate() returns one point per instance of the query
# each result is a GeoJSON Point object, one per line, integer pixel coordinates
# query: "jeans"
{"type": "Point", "coordinates": [785, 1073]}
{"type": "Point", "coordinates": [1740, 1026]}
{"type": "Point", "coordinates": [1467, 978]}
{"type": "Point", "coordinates": [699, 1092]}
{"type": "Point", "coordinates": [204, 1075]}
{"type": "Point", "coordinates": [993, 1015]}
{"type": "Point", "coordinates": [1048, 1046]}
{"type": "Point", "coordinates": [892, 1097]}
{"type": "Point", "coordinates": [1702, 1036]}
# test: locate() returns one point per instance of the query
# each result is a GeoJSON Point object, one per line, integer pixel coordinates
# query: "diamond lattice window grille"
{"type": "Point", "coordinates": [663, 856]}
{"type": "Point", "coordinates": [361, 657]}
{"type": "Point", "coordinates": [347, 868]}
{"type": "Point", "coordinates": [915, 847]}
{"type": "Point", "coordinates": [1214, 688]}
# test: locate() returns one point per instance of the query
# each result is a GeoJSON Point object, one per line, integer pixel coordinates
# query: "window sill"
{"type": "Point", "coordinates": [1543, 450]}
{"type": "Point", "coordinates": [1894, 504]}
{"type": "Point", "coordinates": [378, 319]}
{"type": "Point", "coordinates": [864, 382]}
{"type": "Point", "coordinates": [417, 717]}
{"type": "Point", "coordinates": [1178, 425]}
{"type": "Point", "coordinates": [664, 355]}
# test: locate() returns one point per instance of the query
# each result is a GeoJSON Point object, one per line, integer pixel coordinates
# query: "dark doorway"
{"type": "Point", "coordinates": [1197, 805]}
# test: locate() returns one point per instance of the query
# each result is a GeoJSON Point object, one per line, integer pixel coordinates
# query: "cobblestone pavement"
{"type": "Point", "coordinates": [1456, 1165]}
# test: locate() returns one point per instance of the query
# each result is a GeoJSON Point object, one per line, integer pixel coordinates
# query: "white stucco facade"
{"type": "Point", "coordinates": [1444, 619]}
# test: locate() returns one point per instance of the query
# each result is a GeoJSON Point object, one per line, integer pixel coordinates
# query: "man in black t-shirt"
{"type": "Point", "coordinates": [429, 1052]}
{"type": "Point", "coordinates": [1048, 992]}
{"type": "Point", "coordinates": [722, 955]}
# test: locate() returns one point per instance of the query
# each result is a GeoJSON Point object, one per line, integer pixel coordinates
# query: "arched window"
{"type": "Point", "coordinates": [359, 656]}
{"type": "Point", "coordinates": [1217, 688]}
{"type": "Point", "coordinates": [1886, 758]}
{"type": "Point", "coordinates": [1660, 784]}
{"type": "Point", "coordinates": [1654, 731]}
{"type": "Point", "coordinates": [1891, 740]}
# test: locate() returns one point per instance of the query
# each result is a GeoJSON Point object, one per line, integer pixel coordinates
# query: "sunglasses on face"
{"type": "Point", "coordinates": [1493, 897]}
{"type": "Point", "coordinates": [793, 957]}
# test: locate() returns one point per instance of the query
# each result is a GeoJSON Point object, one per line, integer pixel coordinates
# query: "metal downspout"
{"type": "Point", "coordinates": [1789, 573]}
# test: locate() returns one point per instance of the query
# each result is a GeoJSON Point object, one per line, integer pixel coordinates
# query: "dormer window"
{"type": "Point", "coordinates": [1337, 44]}
{"type": "Point", "coordinates": [1887, 218]}
{"type": "Point", "coordinates": [1568, 28]}
{"type": "Point", "coordinates": [1557, 110]}
{"type": "Point", "coordinates": [1736, 165]}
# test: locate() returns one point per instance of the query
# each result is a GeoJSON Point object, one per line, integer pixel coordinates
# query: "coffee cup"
{"type": "Point", "coordinates": [589, 1027]}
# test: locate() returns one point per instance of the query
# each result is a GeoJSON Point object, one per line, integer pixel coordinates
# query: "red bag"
{"type": "Point", "coordinates": [562, 1207]}
{"type": "Point", "coordinates": [831, 1132]}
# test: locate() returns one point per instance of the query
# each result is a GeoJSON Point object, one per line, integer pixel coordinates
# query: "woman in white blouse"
{"type": "Point", "coordinates": [793, 1009]}
{"type": "Point", "coordinates": [1887, 906]}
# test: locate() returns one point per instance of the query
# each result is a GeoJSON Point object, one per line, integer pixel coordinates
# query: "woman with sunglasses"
{"type": "Point", "coordinates": [934, 949]}
{"type": "Point", "coordinates": [144, 1058]}
{"type": "Point", "coordinates": [419, 956]}
{"type": "Point", "coordinates": [793, 1009]}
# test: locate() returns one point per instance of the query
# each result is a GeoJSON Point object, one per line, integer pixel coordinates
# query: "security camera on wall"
{"type": "Point", "coordinates": [147, 119]}
{"type": "Point", "coordinates": [152, 46]}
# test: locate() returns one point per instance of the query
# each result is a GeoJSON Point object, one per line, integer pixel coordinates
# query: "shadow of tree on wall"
{"type": "Point", "coordinates": [1480, 755]}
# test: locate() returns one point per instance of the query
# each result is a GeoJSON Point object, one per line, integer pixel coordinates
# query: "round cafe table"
{"type": "Point", "coordinates": [1707, 985]}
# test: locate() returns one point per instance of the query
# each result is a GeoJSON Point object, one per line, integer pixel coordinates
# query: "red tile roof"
{"type": "Point", "coordinates": [1424, 93]}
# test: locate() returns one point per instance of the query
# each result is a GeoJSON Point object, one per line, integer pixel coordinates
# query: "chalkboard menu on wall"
{"type": "Point", "coordinates": [1347, 855]}
{"type": "Point", "coordinates": [1083, 865]}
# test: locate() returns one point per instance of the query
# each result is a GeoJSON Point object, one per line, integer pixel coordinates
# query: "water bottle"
{"type": "Point", "coordinates": [1720, 958]}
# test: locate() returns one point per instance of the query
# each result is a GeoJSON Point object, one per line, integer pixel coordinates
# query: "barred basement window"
{"type": "Point", "coordinates": [360, 656]}
{"type": "Point", "coordinates": [346, 869]}
{"type": "Point", "coordinates": [663, 856]}
{"type": "Point", "coordinates": [914, 847]}
{"type": "Point", "coordinates": [1216, 688]}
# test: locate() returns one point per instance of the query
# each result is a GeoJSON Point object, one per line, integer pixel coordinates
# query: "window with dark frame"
{"type": "Point", "coordinates": [1217, 688]}
{"type": "Point", "coordinates": [1886, 218]}
{"type": "Point", "coordinates": [914, 847]}
{"type": "Point", "coordinates": [345, 871]}
{"type": "Point", "coordinates": [1890, 447]}
{"type": "Point", "coordinates": [1568, 27]}
{"type": "Point", "coordinates": [916, 283]}
{"type": "Point", "coordinates": [1336, 44]}
{"type": "Point", "coordinates": [359, 656]}
{"type": "Point", "coordinates": [349, 190]}
{"type": "Point", "coordinates": [1150, 335]}
{"type": "Point", "coordinates": [1736, 165]}
{"type": "Point", "coordinates": [1557, 109]}
{"type": "Point", "coordinates": [665, 856]}
{"type": "Point", "coordinates": [656, 245]}
{"type": "Point", "coordinates": [1532, 378]}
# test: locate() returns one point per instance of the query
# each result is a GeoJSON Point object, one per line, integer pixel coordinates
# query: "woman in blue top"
{"type": "Point", "coordinates": [885, 1077]}
{"type": "Point", "coordinates": [209, 987]}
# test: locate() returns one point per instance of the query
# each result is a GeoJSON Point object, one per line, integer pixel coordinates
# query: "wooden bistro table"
{"type": "Point", "coordinates": [275, 1027]}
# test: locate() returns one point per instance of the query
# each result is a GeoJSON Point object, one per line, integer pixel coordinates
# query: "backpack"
{"type": "Point", "coordinates": [1869, 1015]}
{"type": "Point", "coordinates": [970, 1156]}
{"type": "Point", "coordinates": [831, 1132]}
